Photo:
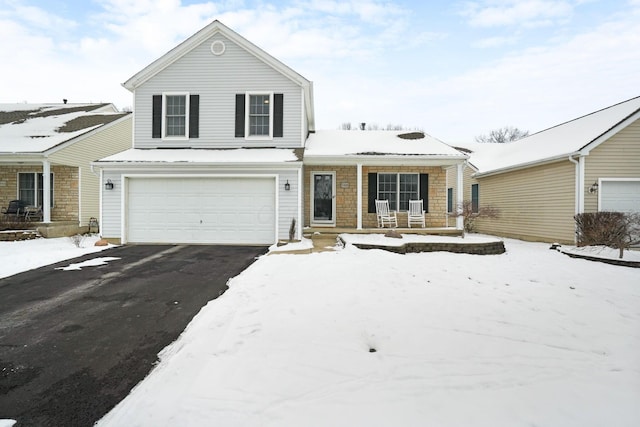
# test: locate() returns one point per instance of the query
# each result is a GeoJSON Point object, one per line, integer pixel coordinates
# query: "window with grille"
{"type": "Point", "coordinates": [259, 115]}
{"type": "Point", "coordinates": [398, 189]}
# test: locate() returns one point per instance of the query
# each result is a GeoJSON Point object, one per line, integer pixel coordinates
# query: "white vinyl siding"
{"type": "Point", "coordinates": [217, 79]}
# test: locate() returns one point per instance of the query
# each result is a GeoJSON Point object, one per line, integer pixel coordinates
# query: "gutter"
{"type": "Point", "coordinates": [193, 165]}
{"type": "Point", "coordinates": [382, 160]}
{"type": "Point", "coordinates": [526, 165]}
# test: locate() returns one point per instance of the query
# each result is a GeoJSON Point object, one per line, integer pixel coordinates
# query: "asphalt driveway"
{"type": "Point", "coordinates": [74, 343]}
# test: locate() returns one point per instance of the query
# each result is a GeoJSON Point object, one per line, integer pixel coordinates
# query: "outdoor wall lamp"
{"type": "Point", "coordinates": [108, 185]}
{"type": "Point", "coordinates": [593, 188]}
{"type": "Point", "coordinates": [287, 186]}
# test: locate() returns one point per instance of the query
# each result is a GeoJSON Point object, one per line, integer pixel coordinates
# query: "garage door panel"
{"type": "Point", "coordinates": [621, 196]}
{"type": "Point", "coordinates": [201, 210]}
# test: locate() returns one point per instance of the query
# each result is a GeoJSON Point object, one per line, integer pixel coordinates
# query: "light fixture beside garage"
{"type": "Point", "coordinates": [108, 185]}
{"type": "Point", "coordinates": [593, 188]}
{"type": "Point", "coordinates": [287, 186]}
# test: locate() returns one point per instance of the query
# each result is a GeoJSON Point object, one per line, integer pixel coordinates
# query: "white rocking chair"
{"type": "Point", "coordinates": [416, 213]}
{"type": "Point", "coordinates": [385, 215]}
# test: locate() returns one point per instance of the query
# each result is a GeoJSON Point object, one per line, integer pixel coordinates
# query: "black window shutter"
{"type": "Point", "coordinates": [194, 116]}
{"type": "Point", "coordinates": [278, 101]}
{"type": "Point", "coordinates": [373, 192]}
{"type": "Point", "coordinates": [424, 190]}
{"type": "Point", "coordinates": [156, 114]}
{"type": "Point", "coordinates": [240, 115]}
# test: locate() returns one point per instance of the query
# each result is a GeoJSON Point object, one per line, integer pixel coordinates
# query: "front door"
{"type": "Point", "coordinates": [323, 197]}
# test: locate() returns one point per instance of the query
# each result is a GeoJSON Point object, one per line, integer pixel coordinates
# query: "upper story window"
{"type": "Point", "coordinates": [175, 115]}
{"type": "Point", "coordinates": [260, 115]}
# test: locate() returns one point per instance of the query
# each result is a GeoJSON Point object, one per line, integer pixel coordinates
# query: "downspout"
{"type": "Point", "coordinates": [579, 190]}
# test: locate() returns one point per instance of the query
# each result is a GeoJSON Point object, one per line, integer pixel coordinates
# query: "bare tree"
{"type": "Point", "coordinates": [470, 212]}
{"type": "Point", "coordinates": [502, 135]}
{"type": "Point", "coordinates": [345, 126]}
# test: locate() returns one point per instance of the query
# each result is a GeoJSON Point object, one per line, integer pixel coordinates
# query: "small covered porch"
{"type": "Point", "coordinates": [345, 172]}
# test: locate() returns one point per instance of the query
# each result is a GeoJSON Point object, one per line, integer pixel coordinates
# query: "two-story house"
{"type": "Point", "coordinates": [225, 151]}
{"type": "Point", "coordinates": [219, 131]}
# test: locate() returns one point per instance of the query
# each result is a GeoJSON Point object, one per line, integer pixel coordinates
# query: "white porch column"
{"type": "Point", "coordinates": [459, 196]}
{"type": "Point", "coordinates": [46, 191]}
{"type": "Point", "coordinates": [359, 196]}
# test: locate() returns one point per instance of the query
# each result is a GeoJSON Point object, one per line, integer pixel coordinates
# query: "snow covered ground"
{"type": "Point", "coordinates": [29, 254]}
{"type": "Point", "coordinates": [356, 337]}
{"type": "Point", "coordinates": [371, 338]}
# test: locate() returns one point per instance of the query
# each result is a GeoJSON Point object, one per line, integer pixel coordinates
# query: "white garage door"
{"type": "Point", "coordinates": [201, 210]}
{"type": "Point", "coordinates": [620, 196]}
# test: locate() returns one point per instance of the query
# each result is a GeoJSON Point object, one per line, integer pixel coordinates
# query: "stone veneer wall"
{"type": "Point", "coordinates": [65, 189]}
{"type": "Point", "coordinates": [488, 248]}
{"type": "Point", "coordinates": [347, 190]}
{"type": "Point", "coordinates": [437, 210]}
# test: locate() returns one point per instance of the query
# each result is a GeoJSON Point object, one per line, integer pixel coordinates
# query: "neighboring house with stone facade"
{"type": "Point", "coordinates": [59, 141]}
{"type": "Point", "coordinates": [540, 182]}
{"type": "Point", "coordinates": [225, 151]}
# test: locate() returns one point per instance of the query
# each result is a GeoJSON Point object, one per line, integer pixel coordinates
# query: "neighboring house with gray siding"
{"type": "Point", "coordinates": [540, 182]}
{"type": "Point", "coordinates": [59, 141]}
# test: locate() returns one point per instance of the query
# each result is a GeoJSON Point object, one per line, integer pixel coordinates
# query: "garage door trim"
{"type": "Point", "coordinates": [124, 194]}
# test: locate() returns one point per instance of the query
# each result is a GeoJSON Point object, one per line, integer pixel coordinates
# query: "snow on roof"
{"type": "Point", "coordinates": [553, 143]}
{"type": "Point", "coordinates": [35, 128]}
{"type": "Point", "coordinates": [328, 143]}
{"type": "Point", "coordinates": [239, 155]}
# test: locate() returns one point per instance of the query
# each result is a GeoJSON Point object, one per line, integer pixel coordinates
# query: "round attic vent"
{"type": "Point", "coordinates": [217, 47]}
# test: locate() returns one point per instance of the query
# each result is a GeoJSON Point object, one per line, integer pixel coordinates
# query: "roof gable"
{"type": "Point", "coordinates": [36, 128]}
{"type": "Point", "coordinates": [212, 29]}
{"type": "Point", "coordinates": [575, 137]}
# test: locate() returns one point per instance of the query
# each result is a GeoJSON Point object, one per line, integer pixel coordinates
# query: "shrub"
{"type": "Point", "coordinates": [292, 230]}
{"type": "Point", "coordinates": [77, 240]}
{"type": "Point", "coordinates": [616, 230]}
